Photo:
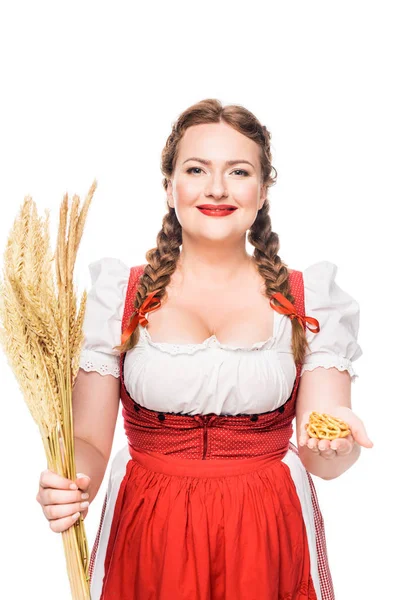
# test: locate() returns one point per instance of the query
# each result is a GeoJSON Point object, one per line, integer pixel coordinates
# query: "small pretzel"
{"type": "Point", "coordinates": [326, 427]}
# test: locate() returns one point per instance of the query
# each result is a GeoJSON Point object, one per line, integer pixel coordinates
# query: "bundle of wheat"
{"type": "Point", "coordinates": [41, 335]}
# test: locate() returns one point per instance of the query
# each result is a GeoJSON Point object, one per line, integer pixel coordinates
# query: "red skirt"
{"type": "Point", "coordinates": [192, 529]}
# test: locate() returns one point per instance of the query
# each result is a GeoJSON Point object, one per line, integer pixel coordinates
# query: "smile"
{"type": "Point", "coordinates": [217, 212]}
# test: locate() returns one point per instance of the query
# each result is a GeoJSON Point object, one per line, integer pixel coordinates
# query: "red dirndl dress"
{"type": "Point", "coordinates": [207, 509]}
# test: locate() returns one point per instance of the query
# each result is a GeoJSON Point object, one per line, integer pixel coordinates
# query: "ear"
{"type": "Point", "coordinates": [263, 195]}
{"type": "Point", "coordinates": [170, 198]}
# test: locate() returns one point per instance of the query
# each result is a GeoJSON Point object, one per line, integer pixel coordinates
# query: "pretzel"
{"type": "Point", "coordinates": [326, 427]}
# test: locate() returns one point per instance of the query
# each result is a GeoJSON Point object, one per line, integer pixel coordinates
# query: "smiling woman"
{"type": "Point", "coordinates": [209, 497]}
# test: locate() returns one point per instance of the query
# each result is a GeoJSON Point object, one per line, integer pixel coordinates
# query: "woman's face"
{"type": "Point", "coordinates": [216, 182]}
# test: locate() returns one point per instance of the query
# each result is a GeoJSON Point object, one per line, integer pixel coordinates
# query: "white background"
{"type": "Point", "coordinates": [90, 90]}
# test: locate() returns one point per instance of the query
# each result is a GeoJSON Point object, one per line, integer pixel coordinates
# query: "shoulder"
{"type": "Point", "coordinates": [317, 273]}
{"type": "Point", "coordinates": [103, 315]}
{"type": "Point", "coordinates": [109, 279]}
{"type": "Point", "coordinates": [321, 269]}
{"type": "Point", "coordinates": [108, 273]}
{"type": "Point", "coordinates": [323, 295]}
{"type": "Point", "coordinates": [321, 286]}
{"type": "Point", "coordinates": [338, 315]}
{"type": "Point", "coordinates": [322, 266]}
{"type": "Point", "coordinates": [106, 296]}
{"type": "Point", "coordinates": [108, 266]}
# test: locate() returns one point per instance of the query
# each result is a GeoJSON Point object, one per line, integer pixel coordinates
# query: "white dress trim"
{"type": "Point", "coordinates": [101, 362]}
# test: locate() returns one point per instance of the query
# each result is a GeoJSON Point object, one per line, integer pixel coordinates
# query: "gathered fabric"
{"type": "Point", "coordinates": [195, 529]}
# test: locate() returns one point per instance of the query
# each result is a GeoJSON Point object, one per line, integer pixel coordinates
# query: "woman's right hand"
{"type": "Point", "coordinates": [62, 505]}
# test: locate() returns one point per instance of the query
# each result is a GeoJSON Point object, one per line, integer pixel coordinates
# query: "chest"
{"type": "Point", "coordinates": [234, 316]}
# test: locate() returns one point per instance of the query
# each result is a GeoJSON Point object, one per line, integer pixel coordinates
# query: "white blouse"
{"type": "Point", "coordinates": [212, 376]}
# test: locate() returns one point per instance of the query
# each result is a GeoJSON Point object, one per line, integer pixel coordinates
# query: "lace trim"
{"type": "Point", "coordinates": [105, 364]}
{"type": "Point", "coordinates": [340, 362]}
{"type": "Point", "coordinates": [210, 342]}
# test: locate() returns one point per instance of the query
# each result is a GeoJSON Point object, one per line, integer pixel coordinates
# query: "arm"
{"type": "Point", "coordinates": [329, 391]}
{"type": "Point", "coordinates": [95, 402]}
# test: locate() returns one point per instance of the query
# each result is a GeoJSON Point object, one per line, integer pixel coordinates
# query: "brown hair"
{"type": "Point", "coordinates": [161, 261]}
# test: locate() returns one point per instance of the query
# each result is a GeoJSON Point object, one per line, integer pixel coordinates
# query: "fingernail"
{"type": "Point", "coordinates": [84, 496]}
{"type": "Point", "coordinates": [82, 475]}
{"type": "Point", "coordinates": [73, 486]}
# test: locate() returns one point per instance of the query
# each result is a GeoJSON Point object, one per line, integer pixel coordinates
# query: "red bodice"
{"type": "Point", "coordinates": [208, 436]}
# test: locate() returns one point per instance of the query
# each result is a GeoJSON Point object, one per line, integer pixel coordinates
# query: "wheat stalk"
{"type": "Point", "coordinates": [42, 335]}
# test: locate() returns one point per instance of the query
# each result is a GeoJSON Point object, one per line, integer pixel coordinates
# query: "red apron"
{"type": "Point", "coordinates": [207, 510]}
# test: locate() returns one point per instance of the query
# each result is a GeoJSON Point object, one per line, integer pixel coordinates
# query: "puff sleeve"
{"type": "Point", "coordinates": [103, 316]}
{"type": "Point", "coordinates": [338, 314]}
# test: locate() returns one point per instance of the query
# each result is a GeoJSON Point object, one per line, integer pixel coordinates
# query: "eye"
{"type": "Point", "coordinates": [235, 171]}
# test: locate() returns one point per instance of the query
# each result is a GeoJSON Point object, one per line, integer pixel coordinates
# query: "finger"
{"type": "Point", "coordinates": [303, 438]}
{"type": "Point", "coordinates": [312, 444]}
{"type": "Point", "coordinates": [49, 479]}
{"type": "Point", "coordinates": [324, 445]}
{"type": "Point", "coordinates": [52, 496]}
{"type": "Point", "coordinates": [83, 481]}
{"type": "Point", "coordinates": [303, 435]}
{"type": "Point", "coordinates": [343, 446]}
{"type": "Point", "coordinates": [328, 454]}
{"type": "Point", "coordinates": [58, 511]}
{"type": "Point", "coordinates": [59, 525]}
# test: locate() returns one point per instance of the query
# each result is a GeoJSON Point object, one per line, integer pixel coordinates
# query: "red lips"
{"type": "Point", "coordinates": [217, 206]}
{"type": "Point", "coordinates": [213, 210]}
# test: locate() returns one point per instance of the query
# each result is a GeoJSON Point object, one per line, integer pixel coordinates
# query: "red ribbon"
{"type": "Point", "coordinates": [148, 305]}
{"type": "Point", "coordinates": [289, 309]}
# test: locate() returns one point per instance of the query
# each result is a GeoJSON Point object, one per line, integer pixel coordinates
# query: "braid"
{"type": "Point", "coordinates": [161, 263]}
{"type": "Point", "coordinates": [274, 272]}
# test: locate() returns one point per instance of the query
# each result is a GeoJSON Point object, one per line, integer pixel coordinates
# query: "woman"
{"type": "Point", "coordinates": [209, 499]}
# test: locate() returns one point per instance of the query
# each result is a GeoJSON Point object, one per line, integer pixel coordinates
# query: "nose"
{"type": "Point", "coordinates": [216, 187]}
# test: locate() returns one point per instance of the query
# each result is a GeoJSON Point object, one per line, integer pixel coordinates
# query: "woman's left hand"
{"type": "Point", "coordinates": [340, 446]}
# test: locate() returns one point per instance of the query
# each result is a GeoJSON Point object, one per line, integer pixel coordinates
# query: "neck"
{"type": "Point", "coordinates": [217, 263]}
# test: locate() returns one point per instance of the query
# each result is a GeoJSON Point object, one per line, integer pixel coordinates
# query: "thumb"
{"type": "Point", "coordinates": [355, 424]}
{"type": "Point", "coordinates": [82, 481]}
{"type": "Point", "coordinates": [360, 435]}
